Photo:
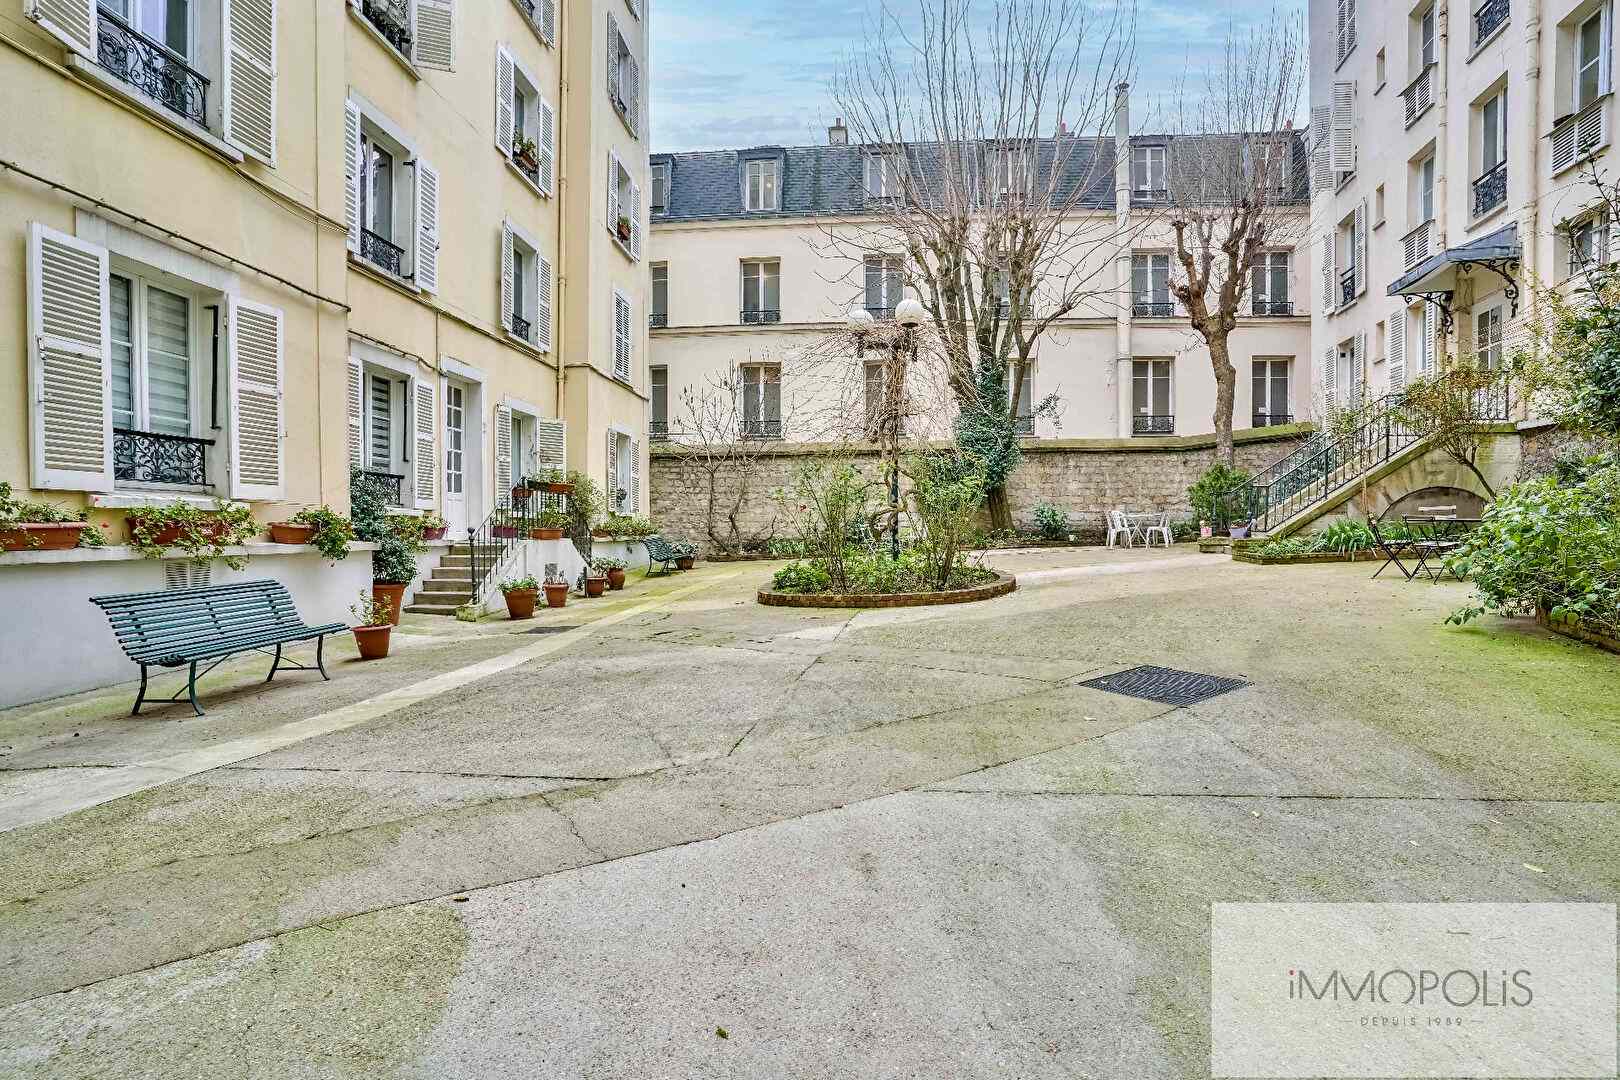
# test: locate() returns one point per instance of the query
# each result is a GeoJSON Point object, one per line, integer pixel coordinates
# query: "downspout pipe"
{"type": "Point", "coordinates": [1122, 259]}
{"type": "Point", "coordinates": [560, 342]}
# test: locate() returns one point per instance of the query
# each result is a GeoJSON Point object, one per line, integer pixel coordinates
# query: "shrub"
{"type": "Point", "coordinates": [1346, 536]}
{"type": "Point", "coordinates": [332, 530]}
{"type": "Point", "coordinates": [625, 524]}
{"type": "Point", "coordinates": [1213, 496]}
{"type": "Point", "coordinates": [1309, 544]}
{"type": "Point", "coordinates": [394, 560]}
{"type": "Point", "coordinates": [1051, 521]}
{"type": "Point", "coordinates": [203, 534]}
{"type": "Point", "coordinates": [828, 504]}
{"type": "Point", "coordinates": [800, 577]}
{"type": "Point", "coordinates": [584, 504]}
{"type": "Point", "coordinates": [946, 490]}
{"type": "Point", "coordinates": [15, 511]}
{"type": "Point", "coordinates": [522, 584]}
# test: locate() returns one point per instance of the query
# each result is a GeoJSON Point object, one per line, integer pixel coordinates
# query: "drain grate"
{"type": "Point", "coordinates": [546, 630]}
{"type": "Point", "coordinates": [1165, 685]}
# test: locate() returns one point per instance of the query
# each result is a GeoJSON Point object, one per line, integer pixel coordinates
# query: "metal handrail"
{"type": "Point", "coordinates": [510, 523]}
{"type": "Point", "coordinates": [1143, 424]}
{"type": "Point", "coordinates": [155, 457]}
{"type": "Point", "coordinates": [1490, 189]}
{"type": "Point", "coordinates": [759, 316]}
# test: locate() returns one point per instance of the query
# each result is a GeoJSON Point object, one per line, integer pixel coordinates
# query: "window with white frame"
{"type": "Point", "coordinates": [658, 387]}
{"type": "Point", "coordinates": [624, 207]}
{"type": "Point", "coordinates": [1490, 189]}
{"type": "Point", "coordinates": [660, 296]}
{"type": "Point", "coordinates": [761, 291]}
{"type": "Point", "coordinates": [884, 284]}
{"type": "Point", "coordinates": [623, 472]}
{"type": "Point", "coordinates": [1266, 164]}
{"type": "Point", "coordinates": [1488, 337]}
{"type": "Point", "coordinates": [1269, 390]}
{"type": "Point", "coordinates": [153, 363]}
{"type": "Point", "coordinates": [884, 174]}
{"type": "Point", "coordinates": [1592, 53]}
{"type": "Point", "coordinates": [1150, 285]}
{"type": "Point", "coordinates": [525, 123]}
{"type": "Point", "coordinates": [1423, 39]}
{"type": "Point", "coordinates": [1149, 172]}
{"type": "Point", "coordinates": [1151, 397]}
{"type": "Point", "coordinates": [624, 76]}
{"type": "Point", "coordinates": [542, 17]}
{"type": "Point", "coordinates": [762, 401]}
{"type": "Point", "coordinates": [760, 182]}
{"type": "Point", "coordinates": [1588, 243]}
{"type": "Point", "coordinates": [526, 288]}
{"type": "Point", "coordinates": [660, 187]}
{"type": "Point", "coordinates": [455, 437]}
{"type": "Point", "coordinates": [1024, 408]}
{"type": "Point", "coordinates": [1423, 194]}
{"type": "Point", "coordinates": [1269, 282]}
{"type": "Point", "coordinates": [392, 201]}
{"type": "Point", "coordinates": [1012, 171]}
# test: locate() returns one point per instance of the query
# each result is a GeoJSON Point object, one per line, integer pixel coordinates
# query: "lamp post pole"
{"type": "Point", "coordinates": [908, 315]}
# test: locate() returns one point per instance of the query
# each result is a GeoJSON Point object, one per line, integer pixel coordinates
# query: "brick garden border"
{"type": "Point", "coordinates": [1250, 556]}
{"type": "Point", "coordinates": [1004, 584]}
{"type": "Point", "coordinates": [1571, 627]}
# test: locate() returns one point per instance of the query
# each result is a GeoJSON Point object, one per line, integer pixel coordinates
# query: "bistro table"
{"type": "Point", "coordinates": [1434, 537]}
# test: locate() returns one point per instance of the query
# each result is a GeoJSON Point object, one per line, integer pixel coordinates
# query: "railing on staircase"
{"type": "Point", "coordinates": [490, 544]}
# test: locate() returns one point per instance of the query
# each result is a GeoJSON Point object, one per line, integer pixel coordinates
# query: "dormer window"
{"type": "Point", "coordinates": [760, 183]}
{"type": "Point", "coordinates": [1012, 171]}
{"type": "Point", "coordinates": [884, 175]}
{"type": "Point", "coordinates": [660, 187]}
{"type": "Point", "coordinates": [1148, 172]}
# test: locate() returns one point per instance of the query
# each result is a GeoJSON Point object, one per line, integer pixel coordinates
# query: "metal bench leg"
{"type": "Point", "coordinates": [275, 665]}
{"type": "Point", "coordinates": [320, 647]}
{"type": "Point", "coordinates": [140, 697]}
{"type": "Point", "coordinates": [191, 688]}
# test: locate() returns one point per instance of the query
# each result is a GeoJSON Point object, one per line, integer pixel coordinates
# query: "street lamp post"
{"type": "Point", "coordinates": [908, 315]}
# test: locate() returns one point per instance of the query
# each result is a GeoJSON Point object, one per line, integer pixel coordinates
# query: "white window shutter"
{"type": "Point", "coordinates": [427, 226]}
{"type": "Point", "coordinates": [612, 469]}
{"type": "Point", "coordinates": [503, 452]}
{"type": "Point", "coordinates": [613, 56]}
{"type": "Point", "coordinates": [1344, 127]}
{"type": "Point", "coordinates": [542, 307]}
{"type": "Point", "coordinates": [425, 468]}
{"type": "Point", "coordinates": [1358, 367]}
{"type": "Point", "coordinates": [435, 42]}
{"type": "Point", "coordinates": [1360, 230]}
{"type": "Point", "coordinates": [547, 10]}
{"type": "Point", "coordinates": [1330, 377]}
{"type": "Point", "coordinates": [1329, 293]}
{"type": "Point", "coordinates": [635, 220]}
{"type": "Point", "coordinates": [613, 192]}
{"type": "Point", "coordinates": [248, 80]}
{"type": "Point", "coordinates": [551, 442]}
{"type": "Point", "coordinates": [69, 374]}
{"type": "Point", "coordinates": [634, 499]}
{"type": "Point", "coordinates": [621, 336]}
{"type": "Point", "coordinates": [548, 146]}
{"type": "Point", "coordinates": [354, 168]}
{"type": "Point", "coordinates": [357, 414]}
{"type": "Point", "coordinates": [508, 256]}
{"type": "Point", "coordinates": [1321, 142]}
{"type": "Point", "coordinates": [1397, 349]}
{"type": "Point", "coordinates": [258, 381]}
{"type": "Point", "coordinates": [1427, 351]}
{"type": "Point", "coordinates": [632, 94]}
{"type": "Point", "coordinates": [72, 22]}
{"type": "Point", "coordinates": [505, 93]}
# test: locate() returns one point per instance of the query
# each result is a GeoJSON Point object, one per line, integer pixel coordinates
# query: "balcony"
{"type": "Point", "coordinates": [392, 19]}
{"type": "Point", "coordinates": [759, 316]}
{"type": "Point", "coordinates": [1272, 307]}
{"type": "Point", "coordinates": [1578, 134]}
{"type": "Point", "coordinates": [1347, 285]}
{"type": "Point", "coordinates": [1153, 309]}
{"type": "Point", "coordinates": [1419, 94]}
{"type": "Point", "coordinates": [149, 457]}
{"type": "Point", "coordinates": [1261, 419]}
{"type": "Point", "coordinates": [762, 429]}
{"type": "Point", "coordinates": [1490, 190]}
{"type": "Point", "coordinates": [1488, 17]}
{"type": "Point", "coordinates": [1417, 244]}
{"type": "Point", "coordinates": [658, 430]}
{"type": "Point", "coordinates": [527, 162]}
{"type": "Point", "coordinates": [151, 68]}
{"type": "Point", "coordinates": [1143, 424]}
{"type": "Point", "coordinates": [880, 312]}
{"type": "Point", "coordinates": [658, 320]}
{"type": "Point", "coordinates": [383, 254]}
{"type": "Point", "coordinates": [392, 485]}
{"type": "Point", "coordinates": [522, 327]}
{"type": "Point", "coordinates": [1150, 195]}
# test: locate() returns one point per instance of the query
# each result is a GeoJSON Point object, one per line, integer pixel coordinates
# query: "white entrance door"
{"type": "Point", "coordinates": [456, 464]}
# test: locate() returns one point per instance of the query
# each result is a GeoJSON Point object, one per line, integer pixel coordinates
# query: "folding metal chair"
{"type": "Point", "coordinates": [1391, 549]}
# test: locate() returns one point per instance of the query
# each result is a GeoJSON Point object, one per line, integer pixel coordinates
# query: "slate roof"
{"type": "Point", "coordinates": [707, 185]}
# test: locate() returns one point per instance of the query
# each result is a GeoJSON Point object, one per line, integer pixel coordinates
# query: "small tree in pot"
{"type": "Point", "coordinates": [614, 569]}
{"type": "Point", "coordinates": [374, 623]}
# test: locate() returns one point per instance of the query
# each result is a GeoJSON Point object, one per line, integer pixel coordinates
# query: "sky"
{"type": "Point", "coordinates": [728, 74]}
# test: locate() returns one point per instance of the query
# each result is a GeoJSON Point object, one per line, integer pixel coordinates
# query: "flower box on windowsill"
{"type": "Point", "coordinates": [42, 536]}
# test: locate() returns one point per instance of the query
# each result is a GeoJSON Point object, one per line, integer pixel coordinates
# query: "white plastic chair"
{"type": "Point", "coordinates": [1160, 526]}
{"type": "Point", "coordinates": [1120, 525]}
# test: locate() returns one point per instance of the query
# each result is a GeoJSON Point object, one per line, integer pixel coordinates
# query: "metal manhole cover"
{"type": "Point", "coordinates": [1165, 685]}
{"type": "Point", "coordinates": [546, 630]}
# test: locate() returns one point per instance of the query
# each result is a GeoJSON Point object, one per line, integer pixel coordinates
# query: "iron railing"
{"type": "Point", "coordinates": [528, 165]}
{"type": "Point", "coordinates": [1153, 309]}
{"type": "Point", "coordinates": [880, 311]}
{"type": "Point", "coordinates": [150, 457]}
{"type": "Point", "coordinates": [381, 253]}
{"type": "Point", "coordinates": [658, 320]}
{"type": "Point", "coordinates": [1347, 285]}
{"type": "Point", "coordinates": [1273, 307]}
{"type": "Point", "coordinates": [759, 316]}
{"type": "Point", "coordinates": [1490, 190]}
{"type": "Point", "coordinates": [762, 429]}
{"type": "Point", "coordinates": [392, 18]}
{"type": "Point", "coordinates": [391, 484]}
{"type": "Point", "coordinates": [513, 521]}
{"type": "Point", "coordinates": [1419, 94]}
{"type": "Point", "coordinates": [1415, 245]}
{"type": "Point", "coordinates": [658, 430]}
{"type": "Point", "coordinates": [522, 327]}
{"type": "Point", "coordinates": [1487, 17]}
{"type": "Point", "coordinates": [1261, 419]}
{"type": "Point", "coordinates": [151, 68]}
{"type": "Point", "coordinates": [1143, 424]}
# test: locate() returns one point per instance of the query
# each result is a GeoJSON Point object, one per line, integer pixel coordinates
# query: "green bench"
{"type": "Point", "coordinates": [661, 551]}
{"type": "Point", "coordinates": [175, 628]}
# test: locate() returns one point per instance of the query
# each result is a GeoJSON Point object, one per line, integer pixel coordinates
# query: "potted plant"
{"type": "Point", "coordinates": [613, 568]}
{"type": "Point", "coordinates": [393, 568]}
{"type": "Point", "coordinates": [685, 556]}
{"type": "Point", "coordinates": [624, 228]}
{"type": "Point", "coordinates": [322, 526]}
{"type": "Point", "coordinates": [556, 591]}
{"type": "Point", "coordinates": [520, 493]}
{"type": "Point", "coordinates": [548, 525]}
{"type": "Point", "coordinates": [503, 525]}
{"type": "Point", "coordinates": [372, 628]}
{"type": "Point", "coordinates": [520, 595]}
{"type": "Point", "coordinates": [433, 527]}
{"type": "Point", "coordinates": [525, 152]}
{"type": "Point", "coordinates": [552, 481]}
{"type": "Point", "coordinates": [26, 526]}
{"type": "Point", "coordinates": [200, 533]}
{"type": "Point", "coordinates": [596, 581]}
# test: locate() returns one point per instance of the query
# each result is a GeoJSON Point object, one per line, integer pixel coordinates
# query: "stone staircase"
{"type": "Point", "coordinates": [447, 586]}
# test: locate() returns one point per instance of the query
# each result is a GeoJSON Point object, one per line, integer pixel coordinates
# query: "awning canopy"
{"type": "Point", "coordinates": [1437, 275]}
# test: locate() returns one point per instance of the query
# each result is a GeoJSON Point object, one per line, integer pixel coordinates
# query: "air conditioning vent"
{"type": "Point", "coordinates": [187, 573]}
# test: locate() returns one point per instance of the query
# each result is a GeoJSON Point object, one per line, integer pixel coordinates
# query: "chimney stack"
{"type": "Point", "coordinates": [838, 134]}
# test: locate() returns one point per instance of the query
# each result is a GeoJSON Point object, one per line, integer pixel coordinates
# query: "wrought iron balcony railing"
{"type": "Point", "coordinates": [153, 69]}
{"type": "Point", "coordinates": [381, 253]}
{"type": "Point", "coordinates": [1347, 285]}
{"type": "Point", "coordinates": [1153, 309]}
{"type": "Point", "coordinates": [880, 311]}
{"type": "Point", "coordinates": [1261, 419]}
{"type": "Point", "coordinates": [762, 429]}
{"type": "Point", "coordinates": [522, 327]}
{"type": "Point", "coordinates": [1490, 190]}
{"type": "Point", "coordinates": [757, 316]}
{"type": "Point", "coordinates": [391, 484]}
{"type": "Point", "coordinates": [1143, 424]}
{"type": "Point", "coordinates": [1415, 244]}
{"type": "Point", "coordinates": [149, 457]}
{"type": "Point", "coordinates": [392, 18]}
{"type": "Point", "coordinates": [1419, 94]}
{"type": "Point", "coordinates": [1487, 17]}
{"type": "Point", "coordinates": [528, 165]}
{"type": "Point", "coordinates": [1024, 425]}
{"type": "Point", "coordinates": [658, 430]}
{"type": "Point", "coordinates": [1273, 307]}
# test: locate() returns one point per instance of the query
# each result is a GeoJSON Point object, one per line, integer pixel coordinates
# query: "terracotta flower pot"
{"type": "Point", "coordinates": [504, 532]}
{"type": "Point", "coordinates": [286, 532]}
{"type": "Point", "coordinates": [43, 536]}
{"type": "Point", "coordinates": [372, 641]}
{"type": "Point", "coordinates": [545, 534]}
{"type": "Point", "coordinates": [558, 489]}
{"type": "Point", "coordinates": [616, 578]}
{"type": "Point", "coordinates": [595, 586]}
{"type": "Point", "coordinates": [686, 562]}
{"type": "Point", "coordinates": [520, 603]}
{"type": "Point", "coordinates": [392, 595]}
{"type": "Point", "coordinates": [435, 534]}
{"type": "Point", "coordinates": [556, 594]}
{"type": "Point", "coordinates": [602, 534]}
{"type": "Point", "coordinates": [521, 493]}
{"type": "Point", "coordinates": [170, 534]}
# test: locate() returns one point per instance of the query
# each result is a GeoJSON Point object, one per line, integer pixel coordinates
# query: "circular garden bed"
{"type": "Point", "coordinates": [1003, 584]}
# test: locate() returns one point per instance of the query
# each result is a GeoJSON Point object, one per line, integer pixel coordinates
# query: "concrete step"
{"type": "Point", "coordinates": [436, 596]}
{"type": "Point", "coordinates": [452, 573]}
{"type": "Point", "coordinates": [432, 609]}
{"type": "Point", "coordinates": [460, 562]}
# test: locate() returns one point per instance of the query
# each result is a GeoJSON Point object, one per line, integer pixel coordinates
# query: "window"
{"type": "Point", "coordinates": [761, 291]}
{"type": "Point", "coordinates": [1024, 411]}
{"type": "Point", "coordinates": [1347, 248]}
{"type": "Point", "coordinates": [623, 473]}
{"type": "Point", "coordinates": [1424, 201]}
{"type": "Point", "coordinates": [1148, 172]}
{"type": "Point", "coordinates": [1150, 286]}
{"type": "Point", "coordinates": [1591, 55]}
{"type": "Point", "coordinates": [1012, 171]}
{"type": "Point", "coordinates": [1379, 74]}
{"type": "Point", "coordinates": [759, 185]}
{"type": "Point", "coordinates": [167, 22]}
{"type": "Point", "coordinates": [1378, 206]}
{"type": "Point", "coordinates": [660, 296]}
{"type": "Point", "coordinates": [1589, 243]}
{"type": "Point", "coordinates": [885, 279]}
{"type": "Point", "coordinates": [624, 207]}
{"type": "Point", "coordinates": [1425, 37]}
{"type": "Point", "coordinates": [1150, 398]}
{"type": "Point", "coordinates": [391, 201]}
{"type": "Point", "coordinates": [660, 187]}
{"type": "Point", "coordinates": [876, 414]}
{"type": "Point", "coordinates": [884, 177]}
{"type": "Point", "coordinates": [1490, 189]}
{"type": "Point", "coordinates": [153, 356]}
{"type": "Point", "coordinates": [762, 401]}
{"type": "Point", "coordinates": [1270, 284]}
{"type": "Point", "coordinates": [542, 16]}
{"type": "Point", "coordinates": [624, 76]}
{"type": "Point", "coordinates": [1001, 289]}
{"type": "Point", "coordinates": [1269, 389]}
{"type": "Point", "coordinates": [1488, 338]}
{"type": "Point", "coordinates": [1270, 157]}
{"type": "Point", "coordinates": [525, 288]}
{"type": "Point", "coordinates": [658, 381]}
{"type": "Point", "coordinates": [525, 124]}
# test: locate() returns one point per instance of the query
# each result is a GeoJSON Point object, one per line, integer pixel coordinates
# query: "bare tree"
{"type": "Point", "coordinates": [982, 188]}
{"type": "Point", "coordinates": [1236, 187]}
{"type": "Point", "coordinates": [721, 457]}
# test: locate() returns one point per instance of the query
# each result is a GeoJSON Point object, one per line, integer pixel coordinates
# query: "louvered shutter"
{"type": "Point", "coordinates": [1344, 127]}
{"type": "Point", "coordinates": [248, 81]}
{"type": "Point", "coordinates": [621, 337]}
{"type": "Point", "coordinates": [356, 399]}
{"type": "Point", "coordinates": [551, 443]}
{"type": "Point", "coordinates": [505, 95]}
{"type": "Point", "coordinates": [1358, 368]}
{"type": "Point", "coordinates": [547, 12]}
{"type": "Point", "coordinates": [435, 42]}
{"type": "Point", "coordinates": [613, 470]}
{"type": "Point", "coordinates": [613, 193]}
{"type": "Point", "coordinates": [427, 227]}
{"type": "Point", "coordinates": [425, 469]}
{"type": "Point", "coordinates": [508, 256]}
{"type": "Point", "coordinates": [542, 307]}
{"type": "Point", "coordinates": [1611, 252]}
{"type": "Point", "coordinates": [257, 381]}
{"type": "Point", "coordinates": [632, 93]}
{"type": "Point", "coordinates": [548, 146]}
{"type": "Point", "coordinates": [1360, 229]}
{"type": "Point", "coordinates": [1321, 144]}
{"type": "Point", "coordinates": [635, 220]}
{"type": "Point", "coordinates": [1427, 353]}
{"type": "Point", "coordinates": [503, 452]}
{"type": "Point", "coordinates": [69, 342]}
{"type": "Point", "coordinates": [613, 57]}
{"type": "Point", "coordinates": [635, 476]}
{"type": "Point", "coordinates": [354, 169]}
{"type": "Point", "coordinates": [1329, 293]}
{"type": "Point", "coordinates": [72, 22]}
{"type": "Point", "coordinates": [1330, 378]}
{"type": "Point", "coordinates": [1397, 349]}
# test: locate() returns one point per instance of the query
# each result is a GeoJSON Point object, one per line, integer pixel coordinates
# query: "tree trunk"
{"type": "Point", "coordinates": [1225, 396]}
{"type": "Point", "coordinates": [1484, 483]}
{"type": "Point", "coordinates": [1000, 509]}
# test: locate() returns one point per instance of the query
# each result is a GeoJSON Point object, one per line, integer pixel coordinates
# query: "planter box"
{"type": "Point", "coordinates": [285, 532]}
{"type": "Point", "coordinates": [1571, 626]}
{"type": "Point", "coordinates": [1249, 555]}
{"type": "Point", "coordinates": [167, 536]}
{"type": "Point", "coordinates": [46, 536]}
